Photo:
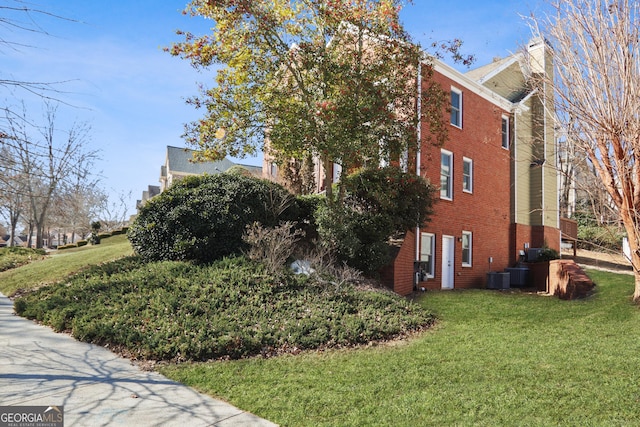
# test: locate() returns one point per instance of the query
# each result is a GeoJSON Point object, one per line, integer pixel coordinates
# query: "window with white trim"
{"type": "Point", "coordinates": [446, 175]}
{"type": "Point", "coordinates": [467, 248]}
{"type": "Point", "coordinates": [467, 175]}
{"type": "Point", "coordinates": [337, 172]}
{"type": "Point", "coordinates": [505, 132]}
{"type": "Point", "coordinates": [274, 170]}
{"type": "Point", "coordinates": [456, 107]}
{"type": "Point", "coordinates": [427, 252]}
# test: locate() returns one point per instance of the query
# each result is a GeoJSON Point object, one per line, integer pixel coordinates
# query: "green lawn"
{"type": "Point", "coordinates": [495, 359]}
{"type": "Point", "coordinates": [62, 263]}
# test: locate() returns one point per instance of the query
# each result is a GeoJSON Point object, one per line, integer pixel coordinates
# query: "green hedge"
{"type": "Point", "coordinates": [203, 218]}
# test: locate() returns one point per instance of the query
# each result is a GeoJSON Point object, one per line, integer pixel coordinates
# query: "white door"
{"type": "Point", "coordinates": [448, 251]}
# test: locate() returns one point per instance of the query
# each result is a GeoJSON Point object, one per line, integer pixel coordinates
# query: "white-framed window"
{"type": "Point", "coordinates": [467, 175]}
{"type": "Point", "coordinates": [505, 132]}
{"type": "Point", "coordinates": [456, 107]}
{"type": "Point", "coordinates": [467, 248]}
{"type": "Point", "coordinates": [446, 175]}
{"type": "Point", "coordinates": [274, 169]}
{"type": "Point", "coordinates": [337, 171]}
{"type": "Point", "coordinates": [427, 253]}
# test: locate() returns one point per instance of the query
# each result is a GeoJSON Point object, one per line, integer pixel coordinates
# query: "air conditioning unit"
{"type": "Point", "coordinates": [533, 254]}
{"type": "Point", "coordinates": [518, 275]}
{"type": "Point", "coordinates": [497, 280]}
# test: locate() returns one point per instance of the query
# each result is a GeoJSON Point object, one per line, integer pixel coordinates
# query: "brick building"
{"type": "Point", "coordinates": [497, 176]}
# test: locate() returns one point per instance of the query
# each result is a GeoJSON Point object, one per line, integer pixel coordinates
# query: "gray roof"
{"type": "Point", "coordinates": [181, 160]}
{"type": "Point", "coordinates": [154, 190]}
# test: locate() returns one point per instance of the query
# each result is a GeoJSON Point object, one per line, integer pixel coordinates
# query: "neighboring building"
{"type": "Point", "coordinates": [17, 240]}
{"type": "Point", "coordinates": [179, 162]}
{"type": "Point", "coordinates": [152, 191]}
{"type": "Point", "coordinates": [497, 176]}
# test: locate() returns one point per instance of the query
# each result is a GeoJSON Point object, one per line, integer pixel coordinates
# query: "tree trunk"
{"type": "Point", "coordinates": [636, 292]}
{"type": "Point", "coordinates": [29, 238]}
{"type": "Point", "coordinates": [12, 235]}
{"type": "Point", "coordinates": [633, 237]}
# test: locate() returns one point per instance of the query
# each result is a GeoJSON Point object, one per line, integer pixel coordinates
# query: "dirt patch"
{"type": "Point", "coordinates": [604, 260]}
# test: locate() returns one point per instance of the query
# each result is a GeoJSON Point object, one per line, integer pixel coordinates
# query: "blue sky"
{"type": "Point", "coordinates": [132, 94]}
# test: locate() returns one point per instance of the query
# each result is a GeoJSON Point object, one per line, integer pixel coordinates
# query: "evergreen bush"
{"type": "Point", "coordinates": [203, 218]}
{"type": "Point", "coordinates": [378, 204]}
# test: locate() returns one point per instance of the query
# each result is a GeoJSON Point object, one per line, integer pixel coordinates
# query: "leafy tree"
{"type": "Point", "coordinates": [597, 68]}
{"type": "Point", "coordinates": [336, 79]}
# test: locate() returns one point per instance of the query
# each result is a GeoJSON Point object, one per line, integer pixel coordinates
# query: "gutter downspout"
{"type": "Point", "coordinates": [419, 136]}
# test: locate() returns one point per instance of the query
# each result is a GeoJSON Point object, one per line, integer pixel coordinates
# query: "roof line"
{"type": "Point", "coordinates": [477, 88]}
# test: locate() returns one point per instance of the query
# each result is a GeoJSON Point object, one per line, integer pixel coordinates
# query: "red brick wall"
{"type": "Point", "coordinates": [403, 266]}
{"type": "Point", "coordinates": [536, 236]}
{"type": "Point", "coordinates": [399, 275]}
{"type": "Point", "coordinates": [486, 212]}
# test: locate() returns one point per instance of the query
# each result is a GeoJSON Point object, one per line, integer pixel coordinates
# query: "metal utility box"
{"type": "Point", "coordinates": [496, 280]}
{"type": "Point", "coordinates": [518, 275]}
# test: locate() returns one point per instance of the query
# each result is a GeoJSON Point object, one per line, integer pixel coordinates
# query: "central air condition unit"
{"type": "Point", "coordinates": [497, 280]}
{"type": "Point", "coordinates": [533, 254]}
{"type": "Point", "coordinates": [519, 276]}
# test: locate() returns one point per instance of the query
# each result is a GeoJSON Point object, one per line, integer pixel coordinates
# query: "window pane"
{"type": "Point", "coordinates": [505, 132]}
{"type": "Point", "coordinates": [466, 248]}
{"type": "Point", "coordinates": [467, 175]}
{"type": "Point", "coordinates": [445, 175]}
{"type": "Point", "coordinates": [427, 248]}
{"type": "Point", "coordinates": [455, 108]}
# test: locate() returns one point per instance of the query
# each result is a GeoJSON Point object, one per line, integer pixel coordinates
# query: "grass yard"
{"type": "Point", "coordinates": [496, 358]}
{"type": "Point", "coordinates": [62, 263]}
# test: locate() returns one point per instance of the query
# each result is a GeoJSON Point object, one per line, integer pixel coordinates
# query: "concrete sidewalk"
{"type": "Point", "coordinates": [95, 386]}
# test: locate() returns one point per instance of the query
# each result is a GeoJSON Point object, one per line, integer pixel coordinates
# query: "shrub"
{"type": "Point", "coordinates": [307, 206]}
{"type": "Point", "coordinates": [378, 204]}
{"type": "Point", "coordinates": [272, 246]}
{"type": "Point", "coordinates": [405, 199]}
{"type": "Point", "coordinates": [547, 254]}
{"type": "Point", "coordinates": [600, 238]}
{"type": "Point", "coordinates": [180, 311]}
{"type": "Point", "coordinates": [358, 238]}
{"type": "Point", "coordinates": [15, 256]}
{"type": "Point", "coordinates": [203, 218]}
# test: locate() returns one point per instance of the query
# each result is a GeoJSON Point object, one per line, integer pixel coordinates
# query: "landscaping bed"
{"type": "Point", "coordinates": [174, 310]}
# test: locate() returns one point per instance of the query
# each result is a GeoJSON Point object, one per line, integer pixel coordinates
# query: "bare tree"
{"type": "Point", "coordinates": [75, 205]}
{"type": "Point", "coordinates": [18, 16]}
{"type": "Point", "coordinates": [47, 158]}
{"type": "Point", "coordinates": [12, 190]}
{"type": "Point", "coordinates": [113, 213]}
{"type": "Point", "coordinates": [596, 52]}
